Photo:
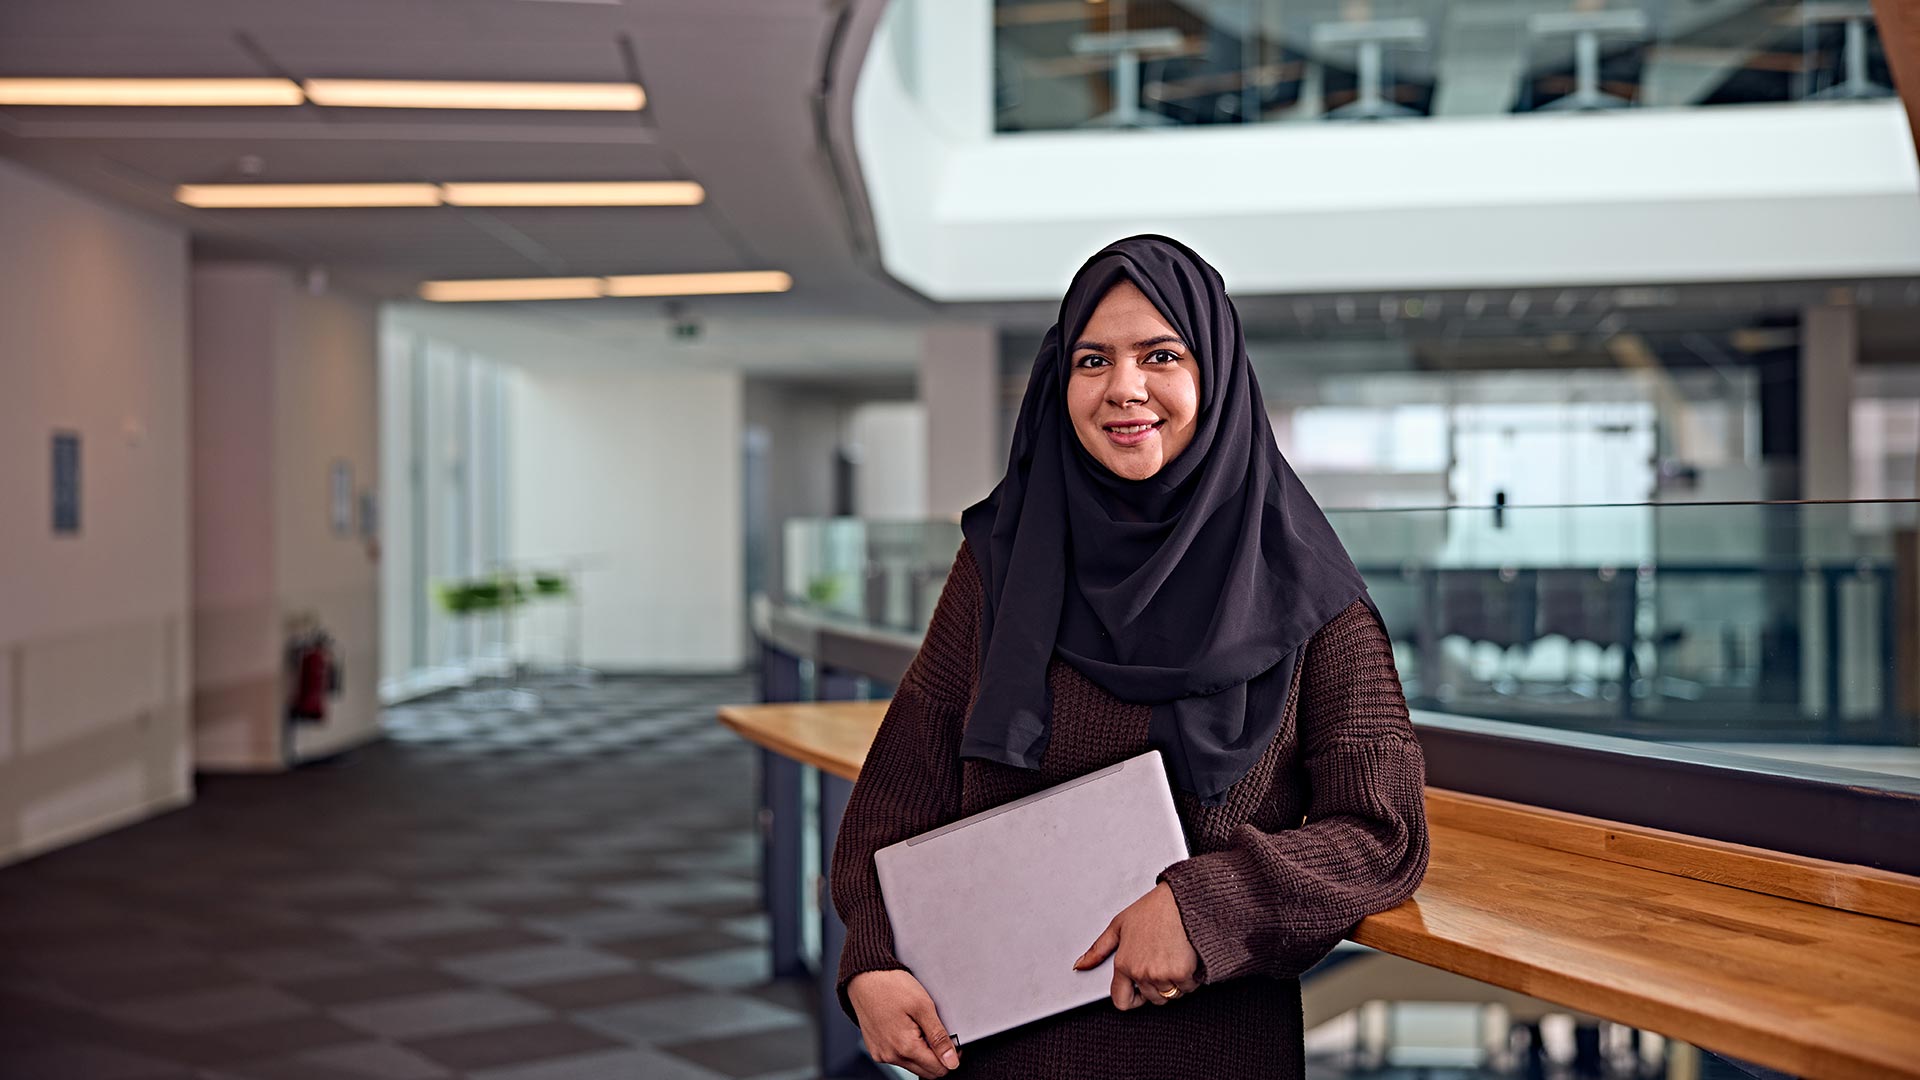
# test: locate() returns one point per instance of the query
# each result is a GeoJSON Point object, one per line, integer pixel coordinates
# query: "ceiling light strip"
{"type": "Point", "coordinates": [624, 193]}
{"type": "Point", "coordinates": [255, 196]}
{"type": "Point", "coordinates": [437, 94]}
{"type": "Point", "coordinates": [624, 285]}
{"type": "Point", "coordinates": [578, 288]}
{"type": "Point", "coordinates": [145, 92]}
{"type": "Point", "coordinates": [305, 196]}
{"type": "Point", "coordinates": [742, 281]}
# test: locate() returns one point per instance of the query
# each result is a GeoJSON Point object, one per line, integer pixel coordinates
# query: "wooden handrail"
{"type": "Point", "coordinates": [1798, 964]}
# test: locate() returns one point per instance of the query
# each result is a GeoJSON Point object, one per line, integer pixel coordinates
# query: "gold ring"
{"type": "Point", "coordinates": [1170, 992]}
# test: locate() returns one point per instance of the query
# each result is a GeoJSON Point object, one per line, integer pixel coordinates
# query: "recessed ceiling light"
{"type": "Point", "coordinates": [633, 193]}
{"type": "Point", "coordinates": [183, 92]}
{"type": "Point", "coordinates": [286, 196]}
{"type": "Point", "coordinates": [578, 288]}
{"type": "Point", "coordinates": [741, 281]}
{"type": "Point", "coordinates": [433, 94]}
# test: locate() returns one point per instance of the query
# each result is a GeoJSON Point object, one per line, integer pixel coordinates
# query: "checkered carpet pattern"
{"type": "Point", "coordinates": [563, 894]}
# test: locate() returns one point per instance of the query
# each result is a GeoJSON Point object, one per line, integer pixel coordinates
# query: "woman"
{"type": "Point", "coordinates": [1150, 573]}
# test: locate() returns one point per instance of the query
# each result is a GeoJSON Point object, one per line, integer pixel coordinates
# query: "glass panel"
{"type": "Point", "coordinates": [445, 517]}
{"type": "Point", "coordinates": [1156, 63]}
{"type": "Point", "coordinates": [1770, 629]}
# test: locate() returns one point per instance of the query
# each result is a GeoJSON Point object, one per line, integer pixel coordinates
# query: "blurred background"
{"type": "Point", "coordinates": [417, 415]}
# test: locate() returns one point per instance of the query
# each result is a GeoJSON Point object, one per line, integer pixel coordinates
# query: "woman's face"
{"type": "Point", "coordinates": [1134, 391]}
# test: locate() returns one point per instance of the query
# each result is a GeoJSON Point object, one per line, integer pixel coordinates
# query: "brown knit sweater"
{"type": "Point", "coordinates": [1329, 827]}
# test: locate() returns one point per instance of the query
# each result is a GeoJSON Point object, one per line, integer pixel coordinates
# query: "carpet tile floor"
{"type": "Point", "coordinates": [568, 894]}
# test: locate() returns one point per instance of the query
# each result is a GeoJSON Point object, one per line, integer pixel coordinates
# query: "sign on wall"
{"type": "Point", "coordinates": [66, 483]}
{"type": "Point", "coordinates": [342, 499]}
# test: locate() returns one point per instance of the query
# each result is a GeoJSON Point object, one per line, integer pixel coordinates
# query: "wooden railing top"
{"type": "Point", "coordinates": [1801, 965]}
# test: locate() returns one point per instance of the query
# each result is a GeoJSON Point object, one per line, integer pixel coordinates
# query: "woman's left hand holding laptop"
{"type": "Point", "coordinates": [1153, 961]}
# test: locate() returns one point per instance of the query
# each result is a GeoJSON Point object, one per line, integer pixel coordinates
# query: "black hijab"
{"type": "Point", "coordinates": [1193, 590]}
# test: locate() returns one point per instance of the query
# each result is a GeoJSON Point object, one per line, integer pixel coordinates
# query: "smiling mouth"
{"type": "Point", "coordinates": [1132, 434]}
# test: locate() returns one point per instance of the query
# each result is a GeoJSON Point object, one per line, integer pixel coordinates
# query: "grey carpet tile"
{"type": "Point", "coordinates": [278, 1068]}
{"type": "Point", "coordinates": [324, 889]}
{"type": "Point", "coordinates": [295, 964]}
{"type": "Point", "coordinates": [637, 1062]}
{"type": "Point", "coordinates": [599, 991]}
{"type": "Point", "coordinates": [753, 927]}
{"type": "Point", "coordinates": [799, 995]}
{"type": "Point", "coordinates": [431, 906]}
{"type": "Point", "coordinates": [437, 946]}
{"type": "Point", "coordinates": [512, 1045]}
{"type": "Point", "coordinates": [78, 1061]}
{"type": "Point", "coordinates": [741, 861]}
{"type": "Point", "coordinates": [419, 1016]}
{"type": "Point", "coordinates": [377, 1061]}
{"type": "Point", "coordinates": [295, 1033]}
{"type": "Point", "coordinates": [498, 887]}
{"type": "Point", "coordinates": [671, 946]}
{"type": "Point", "coordinates": [549, 908]}
{"type": "Point", "coordinates": [420, 921]}
{"type": "Point", "coordinates": [612, 923]}
{"type": "Point", "coordinates": [678, 891]}
{"type": "Point", "coordinates": [804, 1072]}
{"type": "Point", "coordinates": [118, 952]}
{"type": "Point", "coordinates": [747, 1055]}
{"type": "Point", "coordinates": [107, 986]}
{"type": "Point", "coordinates": [375, 984]}
{"type": "Point", "coordinates": [683, 1017]}
{"type": "Point", "coordinates": [536, 964]}
{"type": "Point", "coordinates": [209, 1010]}
{"type": "Point", "coordinates": [728, 969]}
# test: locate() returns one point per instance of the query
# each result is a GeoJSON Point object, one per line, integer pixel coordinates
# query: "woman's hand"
{"type": "Point", "coordinates": [1151, 953]}
{"type": "Point", "coordinates": [899, 1024]}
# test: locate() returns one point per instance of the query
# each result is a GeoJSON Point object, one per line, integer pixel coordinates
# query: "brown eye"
{"type": "Point", "coordinates": [1171, 357]}
{"type": "Point", "coordinates": [1089, 360]}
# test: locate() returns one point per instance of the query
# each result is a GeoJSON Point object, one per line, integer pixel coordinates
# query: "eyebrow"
{"type": "Point", "coordinates": [1101, 346]}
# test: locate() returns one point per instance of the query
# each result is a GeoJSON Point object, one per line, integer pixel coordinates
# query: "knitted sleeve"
{"type": "Point", "coordinates": [1276, 903]}
{"type": "Point", "coordinates": [910, 782]}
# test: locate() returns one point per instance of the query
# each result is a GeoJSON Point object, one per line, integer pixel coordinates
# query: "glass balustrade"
{"type": "Point", "coordinates": [1779, 630]}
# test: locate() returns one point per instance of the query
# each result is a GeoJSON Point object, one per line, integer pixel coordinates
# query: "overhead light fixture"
{"type": "Point", "coordinates": [180, 92]}
{"type": "Point", "coordinates": [625, 285]}
{"type": "Point", "coordinates": [741, 281]}
{"type": "Point", "coordinates": [435, 94]}
{"type": "Point", "coordinates": [621, 193]}
{"type": "Point", "coordinates": [575, 288]}
{"type": "Point", "coordinates": [302, 196]}
{"type": "Point", "coordinates": [618, 193]}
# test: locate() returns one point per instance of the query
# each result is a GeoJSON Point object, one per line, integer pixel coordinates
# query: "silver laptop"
{"type": "Point", "coordinates": [990, 912]}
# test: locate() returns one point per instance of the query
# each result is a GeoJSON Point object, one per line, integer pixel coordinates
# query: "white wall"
{"type": "Point", "coordinates": [327, 411]}
{"type": "Point", "coordinates": [1705, 194]}
{"type": "Point", "coordinates": [960, 389]}
{"type": "Point", "coordinates": [889, 441]}
{"type": "Point", "coordinates": [237, 316]}
{"type": "Point", "coordinates": [639, 473]}
{"type": "Point", "coordinates": [94, 640]}
{"type": "Point", "coordinates": [285, 386]}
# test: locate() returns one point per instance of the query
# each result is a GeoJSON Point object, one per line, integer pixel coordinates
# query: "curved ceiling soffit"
{"type": "Point", "coordinates": [843, 53]}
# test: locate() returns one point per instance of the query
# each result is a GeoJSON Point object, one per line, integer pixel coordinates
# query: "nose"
{"type": "Point", "coordinates": [1126, 385]}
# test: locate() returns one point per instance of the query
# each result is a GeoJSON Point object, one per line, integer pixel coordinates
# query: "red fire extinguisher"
{"type": "Point", "coordinates": [315, 676]}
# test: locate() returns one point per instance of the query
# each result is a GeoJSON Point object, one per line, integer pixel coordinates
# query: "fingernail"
{"type": "Point", "coordinates": [950, 1059]}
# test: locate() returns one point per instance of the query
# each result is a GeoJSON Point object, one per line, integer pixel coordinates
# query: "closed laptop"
{"type": "Point", "coordinates": [991, 911]}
